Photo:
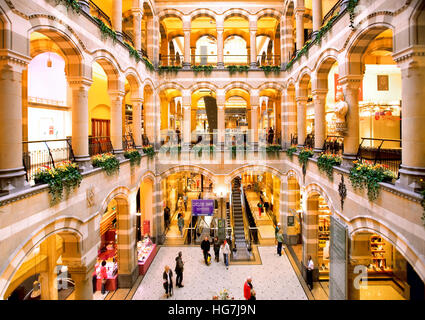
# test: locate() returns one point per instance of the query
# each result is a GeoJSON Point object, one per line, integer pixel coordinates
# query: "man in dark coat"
{"type": "Point", "coordinates": [166, 217]}
{"type": "Point", "coordinates": [179, 270]}
{"type": "Point", "coordinates": [205, 246]}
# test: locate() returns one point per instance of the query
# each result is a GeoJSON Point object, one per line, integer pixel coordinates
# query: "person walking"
{"type": "Point", "coordinates": [205, 246]}
{"type": "Point", "coordinates": [167, 276]}
{"type": "Point", "coordinates": [179, 270]}
{"type": "Point", "coordinates": [180, 223]}
{"type": "Point", "coordinates": [247, 288]}
{"type": "Point", "coordinates": [253, 295]}
{"type": "Point", "coordinates": [260, 208]}
{"type": "Point", "coordinates": [103, 275]}
{"type": "Point", "coordinates": [276, 230]}
{"type": "Point", "coordinates": [225, 249]}
{"type": "Point", "coordinates": [310, 268]}
{"type": "Point", "coordinates": [279, 239]}
{"type": "Point", "coordinates": [185, 198]}
{"type": "Point", "coordinates": [216, 247]}
{"type": "Point", "coordinates": [166, 217]}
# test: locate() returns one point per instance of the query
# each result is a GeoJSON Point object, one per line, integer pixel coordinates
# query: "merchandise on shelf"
{"type": "Point", "coordinates": [144, 248]}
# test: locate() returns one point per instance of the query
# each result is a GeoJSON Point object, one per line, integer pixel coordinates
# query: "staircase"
{"type": "Point", "coordinates": [238, 225]}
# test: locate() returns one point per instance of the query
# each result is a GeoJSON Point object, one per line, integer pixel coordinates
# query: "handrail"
{"type": "Point", "coordinates": [331, 12]}
{"type": "Point", "coordinates": [100, 12]}
{"type": "Point", "coordinates": [245, 223]}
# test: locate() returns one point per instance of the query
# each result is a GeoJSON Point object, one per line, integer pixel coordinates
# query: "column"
{"type": "Point", "coordinates": [351, 86]}
{"type": "Point", "coordinates": [187, 121]}
{"type": "Point", "coordinates": [137, 122]}
{"type": "Point", "coordinates": [49, 279]}
{"type": "Point", "coordinates": [116, 120]}
{"type": "Point", "coordinates": [317, 16]}
{"type": "Point", "coordinates": [82, 277]}
{"type": "Point", "coordinates": [221, 127]}
{"type": "Point", "coordinates": [291, 116]}
{"type": "Point", "coordinates": [288, 39]}
{"type": "Point", "coordinates": [137, 27]}
{"type": "Point", "coordinates": [253, 45]}
{"type": "Point", "coordinates": [412, 64]}
{"type": "Point", "coordinates": [319, 101]}
{"type": "Point", "coordinates": [299, 20]}
{"type": "Point", "coordinates": [220, 42]}
{"type": "Point", "coordinates": [282, 49]}
{"type": "Point", "coordinates": [254, 118]}
{"type": "Point", "coordinates": [186, 31]}
{"type": "Point", "coordinates": [301, 119]}
{"type": "Point", "coordinates": [80, 121]}
{"type": "Point", "coordinates": [12, 173]}
{"type": "Point", "coordinates": [117, 17]}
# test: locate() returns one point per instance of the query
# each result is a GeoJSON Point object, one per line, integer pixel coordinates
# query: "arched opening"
{"type": "Point", "coordinates": [205, 108]}
{"type": "Point", "coordinates": [179, 189]}
{"type": "Point", "coordinates": [148, 116]}
{"type": "Point", "coordinates": [305, 112]}
{"type": "Point", "coordinates": [389, 275]}
{"type": "Point", "coordinates": [172, 41]}
{"type": "Point", "coordinates": [203, 40]}
{"type": "Point", "coordinates": [147, 34]}
{"type": "Point", "coordinates": [270, 115]}
{"type": "Point", "coordinates": [169, 99]}
{"type": "Point", "coordinates": [236, 40]}
{"type": "Point", "coordinates": [268, 41]}
{"type": "Point", "coordinates": [45, 272]}
{"type": "Point", "coordinates": [292, 117]}
{"type": "Point", "coordinates": [294, 220]}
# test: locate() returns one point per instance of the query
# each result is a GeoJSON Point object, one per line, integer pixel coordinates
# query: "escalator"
{"type": "Point", "coordinates": [240, 241]}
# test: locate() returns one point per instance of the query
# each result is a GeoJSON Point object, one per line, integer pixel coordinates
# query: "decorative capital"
{"type": "Point", "coordinates": [18, 62]}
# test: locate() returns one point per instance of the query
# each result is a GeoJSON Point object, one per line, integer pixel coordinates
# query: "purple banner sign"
{"type": "Point", "coordinates": [202, 207]}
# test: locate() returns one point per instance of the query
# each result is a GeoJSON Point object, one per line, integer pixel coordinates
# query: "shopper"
{"type": "Point", "coordinates": [205, 246]}
{"type": "Point", "coordinates": [166, 217]}
{"type": "Point", "coordinates": [103, 276]}
{"type": "Point", "coordinates": [225, 249]}
{"type": "Point", "coordinates": [279, 239]}
{"type": "Point", "coordinates": [247, 288]}
{"type": "Point", "coordinates": [179, 270]}
{"type": "Point", "coordinates": [276, 230]}
{"type": "Point", "coordinates": [260, 208]}
{"type": "Point", "coordinates": [180, 223]}
{"type": "Point", "coordinates": [216, 246]}
{"type": "Point", "coordinates": [168, 281]}
{"type": "Point", "coordinates": [253, 295]}
{"type": "Point", "coordinates": [185, 198]}
{"type": "Point", "coordinates": [310, 268]}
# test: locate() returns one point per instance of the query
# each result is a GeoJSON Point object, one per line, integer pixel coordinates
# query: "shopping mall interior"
{"type": "Point", "coordinates": [131, 130]}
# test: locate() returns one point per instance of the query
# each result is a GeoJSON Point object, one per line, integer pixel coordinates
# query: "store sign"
{"type": "Point", "coordinates": [338, 88]}
{"type": "Point", "coordinates": [202, 207]}
{"type": "Point", "coordinates": [339, 261]}
{"type": "Point", "coordinates": [146, 227]}
{"type": "Point", "coordinates": [291, 221]}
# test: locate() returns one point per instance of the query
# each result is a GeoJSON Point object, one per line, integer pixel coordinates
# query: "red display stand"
{"type": "Point", "coordinates": [111, 284]}
{"type": "Point", "coordinates": [144, 266]}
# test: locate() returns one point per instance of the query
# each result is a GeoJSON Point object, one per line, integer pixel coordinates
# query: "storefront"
{"type": "Point", "coordinates": [323, 235]}
{"type": "Point", "coordinates": [108, 249]}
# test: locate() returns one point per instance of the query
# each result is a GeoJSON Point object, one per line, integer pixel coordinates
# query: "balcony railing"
{"type": "Point", "coordinates": [336, 10]}
{"type": "Point", "coordinates": [126, 37]}
{"type": "Point", "coordinates": [99, 145]}
{"type": "Point", "coordinates": [128, 142]}
{"type": "Point", "coordinates": [171, 60]}
{"type": "Point", "coordinates": [233, 59]}
{"type": "Point", "coordinates": [381, 151]}
{"type": "Point", "coordinates": [309, 141]}
{"type": "Point", "coordinates": [269, 60]}
{"type": "Point", "coordinates": [37, 154]}
{"type": "Point", "coordinates": [95, 11]}
{"type": "Point", "coordinates": [203, 60]}
{"type": "Point", "coordinates": [334, 145]}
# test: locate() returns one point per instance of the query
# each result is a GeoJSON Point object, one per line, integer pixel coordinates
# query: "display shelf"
{"type": "Point", "coordinates": [146, 252]}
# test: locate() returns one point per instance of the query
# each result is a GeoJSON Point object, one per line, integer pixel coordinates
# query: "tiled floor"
{"type": "Point", "coordinates": [273, 280]}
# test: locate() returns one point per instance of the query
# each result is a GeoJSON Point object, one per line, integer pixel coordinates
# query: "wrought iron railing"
{"type": "Point", "coordinates": [128, 142]}
{"type": "Point", "coordinates": [203, 60]}
{"type": "Point", "coordinates": [232, 59]}
{"type": "Point", "coordinates": [171, 60]}
{"type": "Point", "coordinates": [309, 141]}
{"type": "Point", "coordinates": [95, 11]}
{"type": "Point", "coordinates": [336, 10]}
{"type": "Point", "coordinates": [334, 145]}
{"type": "Point", "coordinates": [294, 140]}
{"type": "Point", "coordinates": [37, 154]}
{"type": "Point", "coordinates": [377, 153]}
{"type": "Point", "coordinates": [98, 145]}
{"type": "Point", "coordinates": [269, 60]}
{"type": "Point", "coordinates": [128, 38]}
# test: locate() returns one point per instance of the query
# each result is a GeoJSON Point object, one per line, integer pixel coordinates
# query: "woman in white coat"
{"type": "Point", "coordinates": [225, 249]}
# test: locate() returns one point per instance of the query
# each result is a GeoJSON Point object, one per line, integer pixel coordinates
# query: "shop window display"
{"type": "Point", "coordinates": [146, 251]}
{"type": "Point", "coordinates": [323, 257]}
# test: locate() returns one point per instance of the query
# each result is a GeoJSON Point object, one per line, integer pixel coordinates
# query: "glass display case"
{"type": "Point", "coordinates": [146, 251]}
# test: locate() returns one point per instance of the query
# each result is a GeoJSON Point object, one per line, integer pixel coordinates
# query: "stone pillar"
{"type": "Point", "coordinates": [412, 64]}
{"type": "Point", "coordinates": [288, 39]}
{"type": "Point", "coordinates": [116, 120]}
{"type": "Point", "coordinates": [253, 45]}
{"type": "Point", "coordinates": [137, 122]}
{"type": "Point", "coordinates": [80, 121]}
{"type": "Point", "coordinates": [117, 17]}
{"type": "Point", "coordinates": [283, 35]}
{"type": "Point", "coordinates": [301, 120]}
{"type": "Point", "coordinates": [221, 101]}
{"type": "Point", "coordinates": [220, 43]}
{"type": "Point", "coordinates": [137, 27]}
{"type": "Point", "coordinates": [187, 121]}
{"type": "Point", "coordinates": [48, 280]}
{"type": "Point", "coordinates": [255, 101]}
{"type": "Point", "coordinates": [12, 173]}
{"type": "Point", "coordinates": [186, 31]}
{"type": "Point", "coordinates": [82, 277]}
{"type": "Point", "coordinates": [351, 86]}
{"type": "Point", "coordinates": [317, 16]}
{"type": "Point", "coordinates": [319, 100]}
{"type": "Point", "coordinates": [299, 20]}
{"type": "Point", "coordinates": [289, 117]}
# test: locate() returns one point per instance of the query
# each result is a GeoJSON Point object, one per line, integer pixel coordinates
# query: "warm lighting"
{"type": "Point", "coordinates": [138, 214]}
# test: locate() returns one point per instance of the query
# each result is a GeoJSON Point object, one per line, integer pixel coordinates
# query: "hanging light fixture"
{"type": "Point", "coordinates": [49, 62]}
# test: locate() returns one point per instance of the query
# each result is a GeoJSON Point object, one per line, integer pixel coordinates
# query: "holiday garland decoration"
{"type": "Point", "coordinates": [64, 175]}
{"type": "Point", "coordinates": [273, 148]}
{"type": "Point", "coordinates": [149, 151]}
{"type": "Point", "coordinates": [269, 69]}
{"type": "Point", "coordinates": [168, 69]}
{"type": "Point", "coordinates": [73, 4]}
{"type": "Point", "coordinates": [326, 162]}
{"type": "Point", "coordinates": [368, 176]}
{"type": "Point", "coordinates": [206, 69]}
{"type": "Point", "coordinates": [107, 161]}
{"type": "Point", "coordinates": [304, 155]}
{"type": "Point", "coordinates": [290, 151]}
{"type": "Point", "coordinates": [235, 69]}
{"type": "Point", "coordinates": [134, 156]}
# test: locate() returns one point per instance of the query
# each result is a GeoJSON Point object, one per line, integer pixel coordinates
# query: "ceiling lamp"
{"type": "Point", "coordinates": [49, 62]}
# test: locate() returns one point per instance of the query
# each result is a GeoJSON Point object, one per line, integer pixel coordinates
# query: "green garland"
{"type": "Point", "coordinates": [105, 30]}
{"type": "Point", "coordinates": [269, 69]}
{"type": "Point", "coordinates": [148, 64]}
{"type": "Point", "coordinates": [168, 69]}
{"type": "Point", "coordinates": [351, 6]}
{"type": "Point", "coordinates": [304, 155]}
{"type": "Point", "coordinates": [326, 163]}
{"type": "Point", "coordinates": [134, 156]}
{"type": "Point", "coordinates": [290, 152]}
{"type": "Point", "coordinates": [149, 151]}
{"type": "Point", "coordinates": [73, 4]}
{"type": "Point", "coordinates": [107, 161]}
{"type": "Point", "coordinates": [132, 52]}
{"type": "Point", "coordinates": [65, 175]}
{"type": "Point", "coordinates": [206, 69]}
{"type": "Point", "coordinates": [273, 148]}
{"type": "Point", "coordinates": [235, 69]}
{"type": "Point", "coordinates": [367, 176]}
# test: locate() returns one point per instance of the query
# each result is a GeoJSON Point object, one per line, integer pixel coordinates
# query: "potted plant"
{"type": "Point", "coordinates": [106, 161]}
{"type": "Point", "coordinates": [134, 156]}
{"type": "Point", "coordinates": [326, 162]}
